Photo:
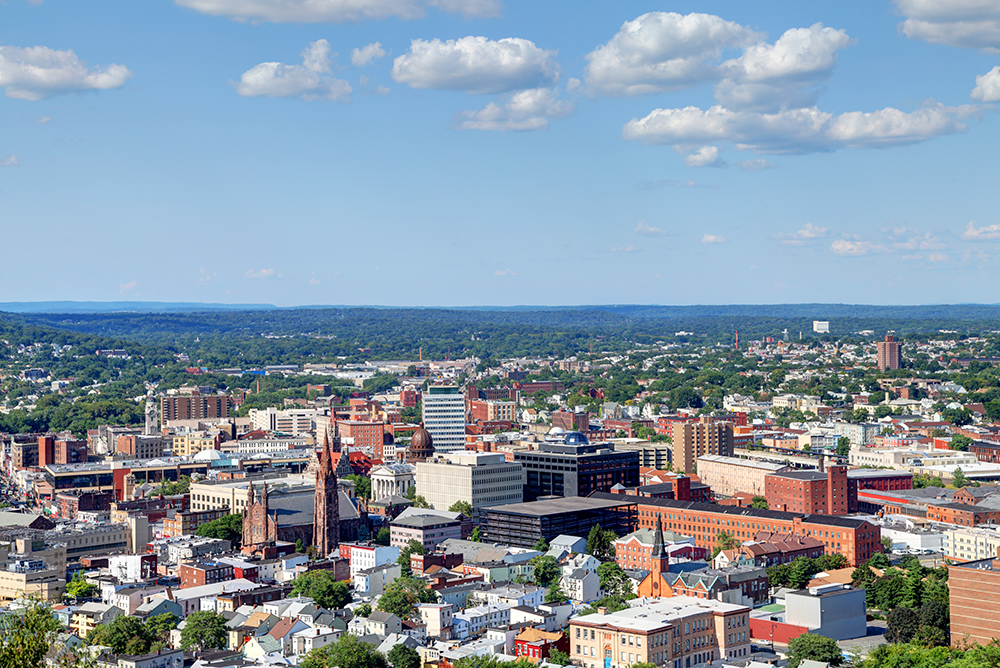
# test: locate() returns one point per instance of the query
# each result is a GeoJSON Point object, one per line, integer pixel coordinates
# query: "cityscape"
{"type": "Point", "coordinates": [499, 334]}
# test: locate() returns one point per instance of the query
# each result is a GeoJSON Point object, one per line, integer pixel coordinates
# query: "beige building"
{"type": "Point", "coordinates": [729, 476]}
{"type": "Point", "coordinates": [194, 442]}
{"type": "Point", "coordinates": [480, 478]}
{"type": "Point", "coordinates": [232, 494]}
{"type": "Point", "coordinates": [705, 437]}
{"type": "Point", "coordinates": [653, 455]}
{"type": "Point", "coordinates": [32, 567]}
{"type": "Point", "coordinates": [675, 631]}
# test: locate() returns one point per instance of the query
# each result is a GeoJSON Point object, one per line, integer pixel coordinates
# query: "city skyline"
{"type": "Point", "coordinates": [410, 152]}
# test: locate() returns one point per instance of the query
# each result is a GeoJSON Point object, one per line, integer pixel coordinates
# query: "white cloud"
{"type": "Point", "coordinates": [803, 235]}
{"type": "Point", "coordinates": [938, 257]}
{"type": "Point", "coordinates": [648, 230]}
{"type": "Point", "coordinates": [754, 164]}
{"type": "Point", "coordinates": [367, 55]}
{"type": "Point", "coordinates": [663, 51]}
{"type": "Point", "coordinates": [623, 249]}
{"type": "Point", "coordinates": [314, 281]}
{"type": "Point", "coordinates": [37, 72]}
{"type": "Point", "coordinates": [43, 120]}
{"type": "Point", "coordinates": [796, 130]}
{"type": "Point", "coordinates": [476, 65]}
{"type": "Point", "coordinates": [854, 247]}
{"type": "Point", "coordinates": [338, 11]}
{"type": "Point", "coordinates": [521, 111]}
{"type": "Point", "coordinates": [311, 80]}
{"type": "Point", "coordinates": [706, 156]}
{"type": "Point", "coordinates": [131, 286]}
{"type": "Point", "coordinates": [963, 23]}
{"type": "Point", "coordinates": [205, 276]}
{"type": "Point", "coordinates": [260, 273]}
{"type": "Point", "coordinates": [988, 86]}
{"type": "Point", "coordinates": [8, 162]}
{"type": "Point", "coordinates": [986, 232]}
{"type": "Point", "coordinates": [713, 239]}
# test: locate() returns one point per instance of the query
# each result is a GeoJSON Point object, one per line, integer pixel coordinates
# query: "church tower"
{"type": "Point", "coordinates": [326, 506]}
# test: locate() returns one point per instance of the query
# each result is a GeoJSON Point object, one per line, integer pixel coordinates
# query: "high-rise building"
{"type": "Point", "coordinates": [576, 467]}
{"type": "Point", "coordinates": [705, 437]}
{"type": "Point", "coordinates": [444, 417]}
{"type": "Point", "coordinates": [890, 354]}
{"type": "Point", "coordinates": [483, 479]}
{"type": "Point", "coordinates": [193, 407]}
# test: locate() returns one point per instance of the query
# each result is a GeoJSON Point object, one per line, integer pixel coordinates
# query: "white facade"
{"type": "Point", "coordinates": [364, 557]}
{"type": "Point", "coordinates": [392, 479]}
{"type": "Point", "coordinates": [291, 421]}
{"type": "Point", "coordinates": [444, 417]}
{"type": "Point", "coordinates": [480, 478]}
{"type": "Point", "coordinates": [970, 544]}
{"type": "Point", "coordinates": [473, 621]}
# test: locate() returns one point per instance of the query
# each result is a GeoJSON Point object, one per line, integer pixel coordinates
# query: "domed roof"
{"type": "Point", "coordinates": [555, 431]}
{"type": "Point", "coordinates": [575, 438]}
{"type": "Point", "coordinates": [421, 444]}
{"type": "Point", "coordinates": [207, 456]}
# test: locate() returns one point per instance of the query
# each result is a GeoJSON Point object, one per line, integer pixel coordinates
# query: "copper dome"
{"type": "Point", "coordinates": [421, 444]}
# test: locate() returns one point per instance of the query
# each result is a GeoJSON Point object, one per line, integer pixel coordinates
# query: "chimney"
{"type": "Point", "coordinates": [822, 464]}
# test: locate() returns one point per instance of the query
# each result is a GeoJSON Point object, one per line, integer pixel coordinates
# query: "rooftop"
{"type": "Point", "coordinates": [569, 504]}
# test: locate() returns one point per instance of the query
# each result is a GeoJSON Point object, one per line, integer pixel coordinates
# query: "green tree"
{"type": "Point", "coordinates": [815, 647]}
{"type": "Point", "coordinates": [547, 570]}
{"type": "Point", "coordinates": [347, 652]}
{"type": "Point", "coordinates": [759, 502]}
{"type": "Point", "coordinates": [600, 543]}
{"type": "Point", "coordinates": [161, 625]}
{"type": "Point", "coordinates": [383, 536]}
{"type": "Point", "coordinates": [958, 478]}
{"type": "Point", "coordinates": [475, 535]}
{"type": "Point", "coordinates": [724, 541]}
{"type": "Point", "coordinates": [120, 633]}
{"type": "Point", "coordinates": [886, 543]}
{"type": "Point", "coordinates": [204, 629]}
{"type": "Point", "coordinates": [803, 570]}
{"type": "Point", "coordinates": [558, 657]}
{"type": "Point", "coordinates": [420, 502]}
{"type": "Point", "coordinates": [402, 656]}
{"type": "Point", "coordinates": [169, 488]}
{"type": "Point", "coordinates": [961, 442]}
{"type": "Point", "coordinates": [363, 610]}
{"type": "Point", "coordinates": [322, 586]}
{"type": "Point", "coordinates": [463, 507]}
{"type": "Point", "coordinates": [412, 547]}
{"type": "Point", "coordinates": [555, 594]}
{"type": "Point", "coordinates": [26, 637]}
{"type": "Point", "coordinates": [228, 527]}
{"type": "Point", "coordinates": [843, 446]}
{"type": "Point", "coordinates": [402, 595]}
{"type": "Point", "coordinates": [79, 588]}
{"type": "Point", "coordinates": [902, 624]}
{"type": "Point", "coordinates": [542, 545]}
{"type": "Point", "coordinates": [362, 486]}
{"type": "Point", "coordinates": [614, 581]}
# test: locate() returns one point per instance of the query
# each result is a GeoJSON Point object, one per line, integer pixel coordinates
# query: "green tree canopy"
{"type": "Point", "coordinates": [463, 507]}
{"type": "Point", "coordinates": [759, 502]}
{"type": "Point", "coordinates": [26, 637]}
{"type": "Point", "coordinates": [412, 547]}
{"type": "Point", "coordinates": [322, 586]}
{"type": "Point", "coordinates": [228, 527]}
{"type": "Point", "coordinates": [402, 595]}
{"type": "Point", "coordinates": [547, 570]}
{"type": "Point", "coordinates": [614, 581]}
{"type": "Point", "coordinates": [815, 647]}
{"type": "Point", "coordinates": [600, 543]}
{"type": "Point", "coordinates": [402, 656]}
{"type": "Point", "coordinates": [204, 629]}
{"type": "Point", "coordinates": [347, 652]}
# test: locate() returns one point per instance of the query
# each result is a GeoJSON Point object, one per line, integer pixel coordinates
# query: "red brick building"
{"type": "Point", "coordinates": [409, 397]}
{"type": "Point", "coordinates": [61, 451]}
{"type": "Point", "coordinates": [200, 573]}
{"type": "Point", "coordinates": [488, 410]}
{"type": "Point", "coordinates": [537, 643]}
{"type": "Point", "coordinates": [194, 407]}
{"type": "Point", "coordinates": [571, 421]}
{"type": "Point", "coordinates": [71, 503]}
{"type": "Point", "coordinates": [974, 589]}
{"type": "Point", "coordinates": [962, 514]}
{"type": "Point", "coordinates": [365, 434]}
{"type": "Point", "coordinates": [856, 539]}
{"type": "Point", "coordinates": [809, 492]}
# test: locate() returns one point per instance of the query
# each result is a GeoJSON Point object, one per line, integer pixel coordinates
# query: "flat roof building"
{"type": "Point", "coordinates": [576, 467]}
{"type": "Point", "coordinates": [524, 524]}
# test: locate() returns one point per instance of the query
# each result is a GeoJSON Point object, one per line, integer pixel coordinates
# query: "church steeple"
{"type": "Point", "coordinates": [326, 505]}
{"type": "Point", "coordinates": [658, 558]}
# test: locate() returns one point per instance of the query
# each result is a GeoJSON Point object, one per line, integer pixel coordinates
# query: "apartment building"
{"type": "Point", "coordinates": [194, 407]}
{"type": "Point", "coordinates": [293, 421]}
{"type": "Point", "coordinates": [705, 437]}
{"type": "Point", "coordinates": [809, 492]}
{"type": "Point", "coordinates": [487, 410]}
{"type": "Point", "coordinates": [444, 417]}
{"type": "Point", "coordinates": [889, 354]}
{"type": "Point", "coordinates": [678, 631]}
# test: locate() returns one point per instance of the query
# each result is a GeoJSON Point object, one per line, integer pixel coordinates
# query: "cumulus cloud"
{"type": "Point", "coordinates": [503, 272]}
{"type": "Point", "coordinates": [623, 249]}
{"type": "Point", "coordinates": [260, 273]}
{"type": "Point", "coordinates": [314, 281]}
{"type": "Point", "coordinates": [43, 120]}
{"type": "Point", "coordinates": [663, 51]}
{"type": "Point", "coordinates": [853, 247]}
{"type": "Point", "coordinates": [132, 286]}
{"type": "Point", "coordinates": [796, 130]}
{"type": "Point", "coordinates": [338, 11]}
{"type": "Point", "coordinates": [753, 164]}
{"type": "Point", "coordinates": [803, 235]}
{"type": "Point", "coordinates": [963, 23]}
{"type": "Point", "coordinates": [311, 80]}
{"type": "Point", "coordinates": [706, 156]}
{"type": "Point", "coordinates": [37, 72]}
{"type": "Point", "coordinates": [367, 55]}
{"type": "Point", "coordinates": [8, 162]}
{"type": "Point", "coordinates": [648, 230]}
{"type": "Point", "coordinates": [476, 65]}
{"type": "Point", "coordinates": [713, 239]}
{"type": "Point", "coordinates": [520, 111]}
{"type": "Point", "coordinates": [984, 233]}
{"type": "Point", "coordinates": [988, 86]}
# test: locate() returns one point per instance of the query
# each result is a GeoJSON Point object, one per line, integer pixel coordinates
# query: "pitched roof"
{"type": "Point", "coordinates": [531, 634]}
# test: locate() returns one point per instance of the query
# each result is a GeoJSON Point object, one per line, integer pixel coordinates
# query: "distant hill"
{"type": "Point", "coordinates": [125, 307]}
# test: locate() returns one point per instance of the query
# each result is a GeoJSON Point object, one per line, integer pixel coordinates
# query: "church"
{"type": "Point", "coordinates": [321, 516]}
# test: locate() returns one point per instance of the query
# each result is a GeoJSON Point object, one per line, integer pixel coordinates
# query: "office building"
{"type": "Point", "coordinates": [729, 476]}
{"type": "Point", "coordinates": [571, 421]}
{"type": "Point", "coordinates": [293, 421]}
{"type": "Point", "coordinates": [488, 410]}
{"type": "Point", "coordinates": [524, 524]}
{"type": "Point", "coordinates": [481, 478]}
{"type": "Point", "coordinates": [575, 467]}
{"type": "Point", "coordinates": [810, 492]}
{"type": "Point", "coordinates": [139, 446]}
{"type": "Point", "coordinates": [428, 530]}
{"type": "Point", "coordinates": [678, 632]}
{"type": "Point", "coordinates": [890, 354]}
{"type": "Point", "coordinates": [444, 417]}
{"type": "Point", "coordinates": [651, 455]}
{"type": "Point", "coordinates": [705, 437]}
{"type": "Point", "coordinates": [821, 326]}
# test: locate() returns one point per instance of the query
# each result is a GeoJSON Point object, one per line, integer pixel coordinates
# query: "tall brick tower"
{"type": "Point", "coordinates": [326, 506]}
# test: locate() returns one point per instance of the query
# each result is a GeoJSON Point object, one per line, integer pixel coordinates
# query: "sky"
{"type": "Point", "coordinates": [500, 152]}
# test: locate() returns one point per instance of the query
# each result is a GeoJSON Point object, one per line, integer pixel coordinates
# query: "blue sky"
{"type": "Point", "coordinates": [461, 152]}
